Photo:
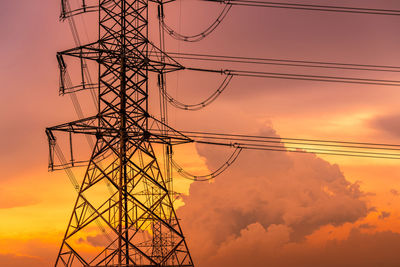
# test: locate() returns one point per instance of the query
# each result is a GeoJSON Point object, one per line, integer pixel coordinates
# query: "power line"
{"type": "Point", "coordinates": [258, 137]}
{"type": "Point", "coordinates": [202, 104]}
{"type": "Point", "coordinates": [305, 150]}
{"type": "Point", "coordinates": [285, 62]}
{"type": "Point", "coordinates": [202, 178]}
{"type": "Point", "coordinates": [279, 62]}
{"type": "Point", "coordinates": [310, 7]}
{"type": "Point", "coordinates": [195, 37]}
{"type": "Point", "coordinates": [329, 147]}
{"type": "Point", "coordinates": [303, 77]}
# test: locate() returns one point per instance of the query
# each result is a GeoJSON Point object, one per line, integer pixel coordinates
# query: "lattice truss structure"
{"type": "Point", "coordinates": [125, 203]}
{"type": "Point", "coordinates": [136, 217]}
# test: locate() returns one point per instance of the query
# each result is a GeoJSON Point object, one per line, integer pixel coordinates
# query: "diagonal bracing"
{"type": "Point", "coordinates": [138, 220]}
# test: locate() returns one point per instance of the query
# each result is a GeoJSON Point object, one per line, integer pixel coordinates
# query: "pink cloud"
{"type": "Point", "coordinates": [283, 194]}
{"type": "Point", "coordinates": [257, 246]}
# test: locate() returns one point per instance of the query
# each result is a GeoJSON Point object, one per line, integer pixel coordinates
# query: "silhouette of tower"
{"type": "Point", "coordinates": [137, 220]}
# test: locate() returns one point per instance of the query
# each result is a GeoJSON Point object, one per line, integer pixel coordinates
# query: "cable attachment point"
{"type": "Point", "coordinates": [161, 11]}
{"type": "Point", "coordinates": [226, 72]}
{"type": "Point", "coordinates": [169, 150]}
{"type": "Point", "coordinates": [84, 5]}
{"type": "Point", "coordinates": [160, 81]}
{"type": "Point", "coordinates": [99, 135]}
{"type": "Point", "coordinates": [146, 135]}
{"type": "Point", "coordinates": [235, 145]}
{"type": "Point", "coordinates": [52, 143]}
{"type": "Point", "coordinates": [63, 69]}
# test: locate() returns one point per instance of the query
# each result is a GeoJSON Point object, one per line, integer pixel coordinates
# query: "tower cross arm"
{"type": "Point", "coordinates": [157, 131]}
{"type": "Point", "coordinates": [157, 61]}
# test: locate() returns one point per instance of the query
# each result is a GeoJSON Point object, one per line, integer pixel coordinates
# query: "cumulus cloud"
{"type": "Point", "coordinates": [258, 247]}
{"type": "Point", "coordinates": [264, 200]}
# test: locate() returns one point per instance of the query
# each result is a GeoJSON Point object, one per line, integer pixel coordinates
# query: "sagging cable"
{"type": "Point", "coordinates": [67, 12]}
{"type": "Point", "coordinates": [193, 107]}
{"type": "Point", "coordinates": [208, 177]}
{"type": "Point", "coordinates": [196, 37]}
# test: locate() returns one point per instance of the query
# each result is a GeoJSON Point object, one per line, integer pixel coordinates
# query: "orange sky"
{"type": "Point", "coordinates": [355, 206]}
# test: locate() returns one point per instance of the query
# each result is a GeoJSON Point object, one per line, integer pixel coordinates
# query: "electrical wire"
{"type": "Point", "coordinates": [68, 82]}
{"type": "Point", "coordinates": [280, 62]}
{"type": "Point", "coordinates": [241, 137]}
{"type": "Point", "coordinates": [67, 12]}
{"type": "Point", "coordinates": [214, 174]}
{"type": "Point", "coordinates": [303, 77]}
{"type": "Point", "coordinates": [307, 150]}
{"type": "Point", "coordinates": [162, 86]}
{"type": "Point", "coordinates": [285, 62]}
{"type": "Point", "coordinates": [278, 144]}
{"type": "Point", "coordinates": [204, 103]}
{"type": "Point", "coordinates": [77, 40]}
{"type": "Point", "coordinates": [196, 37]}
{"type": "Point", "coordinates": [329, 147]}
{"type": "Point", "coordinates": [303, 146]}
{"type": "Point", "coordinates": [311, 7]}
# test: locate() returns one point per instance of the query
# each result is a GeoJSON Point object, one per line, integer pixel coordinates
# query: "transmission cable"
{"type": "Point", "coordinates": [255, 138]}
{"type": "Point", "coordinates": [330, 147]}
{"type": "Point", "coordinates": [304, 150]}
{"type": "Point", "coordinates": [303, 77]}
{"type": "Point", "coordinates": [371, 150]}
{"type": "Point", "coordinates": [162, 85]}
{"type": "Point", "coordinates": [208, 177]}
{"type": "Point", "coordinates": [77, 40]}
{"type": "Point", "coordinates": [195, 37]}
{"type": "Point", "coordinates": [66, 11]}
{"type": "Point", "coordinates": [193, 107]}
{"type": "Point", "coordinates": [73, 96]}
{"type": "Point", "coordinates": [285, 62]}
{"type": "Point", "coordinates": [341, 9]}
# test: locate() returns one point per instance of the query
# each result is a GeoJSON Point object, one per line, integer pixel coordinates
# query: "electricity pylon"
{"type": "Point", "coordinates": [137, 219]}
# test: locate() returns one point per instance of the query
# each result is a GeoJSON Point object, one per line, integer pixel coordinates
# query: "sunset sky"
{"type": "Point", "coordinates": [269, 208]}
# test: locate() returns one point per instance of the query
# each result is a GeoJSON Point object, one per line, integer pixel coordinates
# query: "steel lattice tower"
{"type": "Point", "coordinates": [137, 216]}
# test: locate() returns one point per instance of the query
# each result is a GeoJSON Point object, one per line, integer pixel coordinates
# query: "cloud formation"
{"type": "Point", "coordinates": [266, 200]}
{"type": "Point", "coordinates": [256, 246]}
